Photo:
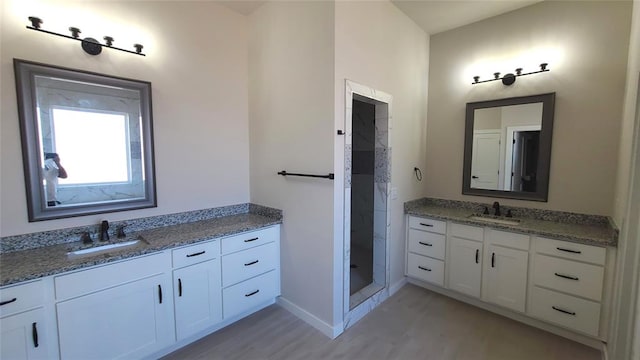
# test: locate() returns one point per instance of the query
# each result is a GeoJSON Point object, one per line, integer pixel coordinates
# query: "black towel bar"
{"type": "Point", "coordinates": [285, 173]}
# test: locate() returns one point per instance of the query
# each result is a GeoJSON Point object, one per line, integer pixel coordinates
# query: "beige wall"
{"type": "Point", "coordinates": [197, 64]}
{"type": "Point", "coordinates": [380, 47]}
{"type": "Point", "coordinates": [585, 44]}
{"type": "Point", "coordinates": [291, 102]}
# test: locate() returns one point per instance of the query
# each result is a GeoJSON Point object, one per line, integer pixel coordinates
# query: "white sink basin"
{"type": "Point", "coordinates": [101, 249]}
{"type": "Point", "coordinates": [502, 221]}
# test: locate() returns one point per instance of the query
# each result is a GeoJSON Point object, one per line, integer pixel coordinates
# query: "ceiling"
{"type": "Point", "coordinates": [433, 16]}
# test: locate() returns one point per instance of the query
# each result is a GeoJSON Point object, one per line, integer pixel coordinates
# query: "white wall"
{"type": "Point", "coordinates": [626, 330]}
{"type": "Point", "coordinates": [290, 109]}
{"type": "Point", "coordinates": [380, 47]}
{"type": "Point", "coordinates": [585, 44]}
{"type": "Point", "coordinates": [197, 64]}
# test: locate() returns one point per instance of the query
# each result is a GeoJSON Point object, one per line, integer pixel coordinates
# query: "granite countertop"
{"type": "Point", "coordinates": [50, 260]}
{"type": "Point", "coordinates": [578, 228]}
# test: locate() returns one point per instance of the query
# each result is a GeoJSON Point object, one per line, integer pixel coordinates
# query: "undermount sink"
{"type": "Point", "coordinates": [101, 249]}
{"type": "Point", "coordinates": [494, 219]}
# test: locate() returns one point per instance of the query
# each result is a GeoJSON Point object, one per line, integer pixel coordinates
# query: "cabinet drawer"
{"type": "Point", "coordinates": [507, 239]}
{"type": "Point", "coordinates": [248, 294]}
{"type": "Point", "coordinates": [436, 226]}
{"type": "Point", "coordinates": [573, 251]}
{"type": "Point", "coordinates": [574, 313]}
{"type": "Point", "coordinates": [195, 253]}
{"type": "Point", "coordinates": [250, 239]}
{"type": "Point", "coordinates": [427, 243]}
{"type": "Point", "coordinates": [21, 297]}
{"type": "Point", "coordinates": [426, 269]}
{"type": "Point", "coordinates": [103, 277]}
{"type": "Point", "coordinates": [246, 264]}
{"type": "Point", "coordinates": [467, 232]}
{"type": "Point", "coordinates": [568, 276]}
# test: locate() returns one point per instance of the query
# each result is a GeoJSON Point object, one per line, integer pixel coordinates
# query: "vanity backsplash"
{"type": "Point", "coordinates": [68, 235]}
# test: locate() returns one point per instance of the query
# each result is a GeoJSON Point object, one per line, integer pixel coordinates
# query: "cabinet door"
{"type": "Point", "coordinates": [505, 277]}
{"type": "Point", "coordinates": [465, 266]}
{"type": "Point", "coordinates": [123, 322]}
{"type": "Point", "coordinates": [22, 336]}
{"type": "Point", "coordinates": [198, 297]}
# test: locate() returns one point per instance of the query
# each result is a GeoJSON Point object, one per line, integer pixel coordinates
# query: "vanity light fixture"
{"type": "Point", "coordinates": [89, 45]}
{"type": "Point", "coordinates": [510, 78]}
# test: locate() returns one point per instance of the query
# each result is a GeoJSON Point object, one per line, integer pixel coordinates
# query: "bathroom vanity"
{"type": "Point", "coordinates": [179, 284]}
{"type": "Point", "coordinates": [548, 269]}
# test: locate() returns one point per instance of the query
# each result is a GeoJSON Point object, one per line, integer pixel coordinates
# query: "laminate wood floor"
{"type": "Point", "coordinates": [415, 323]}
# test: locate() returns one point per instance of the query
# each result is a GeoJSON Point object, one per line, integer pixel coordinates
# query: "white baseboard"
{"type": "Point", "coordinates": [328, 330]}
{"type": "Point", "coordinates": [393, 288]}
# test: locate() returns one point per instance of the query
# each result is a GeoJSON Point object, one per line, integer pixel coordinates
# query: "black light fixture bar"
{"type": "Point", "coordinates": [75, 31]}
{"type": "Point", "coordinates": [510, 78]}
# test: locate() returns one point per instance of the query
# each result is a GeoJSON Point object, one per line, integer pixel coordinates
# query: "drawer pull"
{"type": "Point", "coordinates": [179, 287]}
{"type": "Point", "coordinates": [160, 294]}
{"type": "Point", "coordinates": [8, 301]}
{"type": "Point", "coordinates": [427, 225]}
{"type": "Point", "coordinates": [564, 311]}
{"type": "Point", "coordinates": [493, 260]}
{"type": "Point", "coordinates": [197, 254]}
{"type": "Point", "coordinates": [251, 263]}
{"type": "Point", "coordinates": [250, 240]}
{"type": "Point", "coordinates": [423, 268]}
{"type": "Point", "coordinates": [252, 293]}
{"type": "Point", "coordinates": [424, 243]}
{"type": "Point", "coordinates": [34, 333]}
{"type": "Point", "coordinates": [477, 255]}
{"type": "Point", "coordinates": [567, 277]}
{"type": "Point", "coordinates": [569, 250]}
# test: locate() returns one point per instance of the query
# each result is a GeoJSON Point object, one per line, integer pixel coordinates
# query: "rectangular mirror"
{"type": "Point", "coordinates": [87, 141]}
{"type": "Point", "coordinates": [507, 148]}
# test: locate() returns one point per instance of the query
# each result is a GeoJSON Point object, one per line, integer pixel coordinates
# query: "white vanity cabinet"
{"type": "Point", "coordinates": [567, 284]}
{"type": "Point", "coordinates": [426, 244]}
{"type": "Point", "coordinates": [23, 332]}
{"type": "Point", "coordinates": [504, 275]}
{"type": "Point", "coordinates": [464, 264]}
{"type": "Point", "coordinates": [197, 287]}
{"type": "Point", "coordinates": [250, 270]}
{"type": "Point", "coordinates": [117, 311]}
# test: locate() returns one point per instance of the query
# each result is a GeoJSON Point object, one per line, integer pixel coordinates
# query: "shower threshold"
{"type": "Point", "coordinates": [360, 296]}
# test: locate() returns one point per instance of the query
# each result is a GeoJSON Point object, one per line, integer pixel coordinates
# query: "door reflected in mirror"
{"type": "Point", "coordinates": [508, 146]}
{"type": "Point", "coordinates": [87, 141]}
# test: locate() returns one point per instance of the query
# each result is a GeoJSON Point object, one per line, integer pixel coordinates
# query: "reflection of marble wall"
{"type": "Point", "coordinates": [54, 93]}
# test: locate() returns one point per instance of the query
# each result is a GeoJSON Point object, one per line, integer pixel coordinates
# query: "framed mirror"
{"type": "Point", "coordinates": [87, 141]}
{"type": "Point", "coordinates": [507, 147]}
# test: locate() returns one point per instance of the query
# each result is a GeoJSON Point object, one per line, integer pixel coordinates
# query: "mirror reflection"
{"type": "Point", "coordinates": [508, 147]}
{"type": "Point", "coordinates": [505, 147]}
{"type": "Point", "coordinates": [87, 142]}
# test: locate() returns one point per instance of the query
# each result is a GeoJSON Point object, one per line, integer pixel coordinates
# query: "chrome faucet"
{"type": "Point", "coordinates": [496, 205]}
{"type": "Point", "coordinates": [104, 230]}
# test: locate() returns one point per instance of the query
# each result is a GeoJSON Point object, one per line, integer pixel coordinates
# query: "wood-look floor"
{"type": "Point", "coordinates": [413, 324]}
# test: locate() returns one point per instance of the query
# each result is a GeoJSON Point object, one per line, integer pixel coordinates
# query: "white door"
{"type": "Point", "coordinates": [22, 336]}
{"type": "Point", "coordinates": [465, 266]}
{"type": "Point", "coordinates": [505, 277]}
{"type": "Point", "coordinates": [125, 322]}
{"type": "Point", "coordinates": [198, 297]}
{"type": "Point", "coordinates": [485, 163]}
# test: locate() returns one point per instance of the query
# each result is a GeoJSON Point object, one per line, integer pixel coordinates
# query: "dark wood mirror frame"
{"type": "Point", "coordinates": [544, 154]}
{"type": "Point", "coordinates": [25, 73]}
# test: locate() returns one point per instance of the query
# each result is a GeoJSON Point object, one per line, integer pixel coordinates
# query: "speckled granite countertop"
{"type": "Point", "coordinates": [579, 228]}
{"type": "Point", "coordinates": [50, 260]}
